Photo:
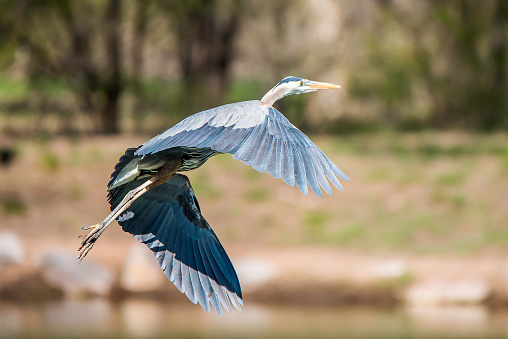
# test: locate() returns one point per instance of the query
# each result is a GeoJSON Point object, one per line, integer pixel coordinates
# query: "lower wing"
{"type": "Point", "coordinates": [168, 220]}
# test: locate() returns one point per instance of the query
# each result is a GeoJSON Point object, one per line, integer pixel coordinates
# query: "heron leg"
{"type": "Point", "coordinates": [164, 174]}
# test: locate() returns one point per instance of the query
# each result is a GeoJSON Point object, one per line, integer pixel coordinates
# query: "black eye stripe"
{"type": "Point", "coordinates": [289, 79]}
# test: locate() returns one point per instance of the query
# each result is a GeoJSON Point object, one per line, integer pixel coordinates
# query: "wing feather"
{"type": "Point", "coordinates": [210, 274]}
{"type": "Point", "coordinates": [256, 135]}
{"type": "Point", "coordinates": [186, 283]}
{"type": "Point", "coordinates": [259, 162]}
{"type": "Point", "coordinates": [320, 173]}
{"type": "Point", "coordinates": [310, 171]}
{"type": "Point", "coordinates": [328, 171]}
{"type": "Point", "coordinates": [218, 273]}
{"type": "Point", "coordinates": [168, 220]}
{"type": "Point", "coordinates": [190, 290]}
{"type": "Point", "coordinates": [271, 167]}
{"type": "Point", "coordinates": [199, 289]}
{"type": "Point", "coordinates": [287, 168]}
{"type": "Point", "coordinates": [278, 158]}
{"type": "Point", "coordinates": [299, 170]}
{"type": "Point", "coordinates": [224, 139]}
{"type": "Point", "coordinates": [250, 145]}
{"type": "Point", "coordinates": [236, 138]}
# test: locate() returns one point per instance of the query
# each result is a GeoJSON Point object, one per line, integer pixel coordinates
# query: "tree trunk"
{"type": "Point", "coordinates": [112, 86]}
{"type": "Point", "coordinates": [498, 46]}
{"type": "Point", "coordinates": [138, 44]}
{"type": "Point", "coordinates": [206, 49]}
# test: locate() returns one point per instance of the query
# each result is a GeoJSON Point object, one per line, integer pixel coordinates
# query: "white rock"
{"type": "Point", "coordinates": [391, 269]}
{"type": "Point", "coordinates": [439, 292]}
{"type": "Point", "coordinates": [140, 271]}
{"type": "Point", "coordinates": [63, 271]}
{"type": "Point", "coordinates": [254, 272]}
{"type": "Point", "coordinates": [11, 249]}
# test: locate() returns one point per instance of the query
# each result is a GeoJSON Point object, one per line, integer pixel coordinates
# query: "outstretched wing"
{"type": "Point", "coordinates": [168, 220]}
{"type": "Point", "coordinates": [259, 136]}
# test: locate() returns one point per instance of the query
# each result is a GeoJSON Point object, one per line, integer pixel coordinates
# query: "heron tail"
{"type": "Point", "coordinates": [124, 161]}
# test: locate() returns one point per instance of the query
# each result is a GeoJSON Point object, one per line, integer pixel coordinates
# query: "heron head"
{"type": "Point", "coordinates": [293, 85]}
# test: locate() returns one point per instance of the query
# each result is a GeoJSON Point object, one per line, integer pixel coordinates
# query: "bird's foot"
{"type": "Point", "coordinates": [86, 228]}
{"type": "Point", "coordinates": [97, 229]}
{"type": "Point", "coordinates": [90, 239]}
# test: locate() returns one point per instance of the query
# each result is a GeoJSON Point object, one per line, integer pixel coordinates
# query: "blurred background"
{"type": "Point", "coordinates": [415, 247]}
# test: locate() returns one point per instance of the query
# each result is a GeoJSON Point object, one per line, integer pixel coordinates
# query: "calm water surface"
{"type": "Point", "coordinates": [150, 319]}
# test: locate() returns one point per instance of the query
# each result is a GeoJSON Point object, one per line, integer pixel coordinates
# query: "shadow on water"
{"type": "Point", "coordinates": [150, 319]}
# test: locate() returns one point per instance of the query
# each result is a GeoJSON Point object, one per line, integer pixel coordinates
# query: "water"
{"type": "Point", "coordinates": [150, 319]}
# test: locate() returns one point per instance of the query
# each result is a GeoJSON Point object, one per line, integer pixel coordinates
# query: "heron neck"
{"type": "Point", "coordinates": [273, 95]}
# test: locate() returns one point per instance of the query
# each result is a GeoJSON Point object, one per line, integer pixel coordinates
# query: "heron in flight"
{"type": "Point", "coordinates": [156, 204]}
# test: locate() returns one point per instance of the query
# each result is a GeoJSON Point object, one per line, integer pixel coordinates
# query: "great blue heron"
{"type": "Point", "coordinates": [158, 206]}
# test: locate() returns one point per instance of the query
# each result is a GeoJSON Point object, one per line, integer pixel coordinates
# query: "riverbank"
{"type": "Point", "coordinates": [304, 275]}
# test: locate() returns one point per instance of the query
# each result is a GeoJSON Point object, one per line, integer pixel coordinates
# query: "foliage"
{"type": "Point", "coordinates": [439, 63]}
{"type": "Point", "coordinates": [113, 65]}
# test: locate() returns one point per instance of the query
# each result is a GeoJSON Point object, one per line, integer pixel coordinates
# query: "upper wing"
{"type": "Point", "coordinates": [168, 220]}
{"type": "Point", "coordinates": [259, 136]}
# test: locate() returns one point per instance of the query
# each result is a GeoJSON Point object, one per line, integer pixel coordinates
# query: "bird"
{"type": "Point", "coordinates": [153, 201]}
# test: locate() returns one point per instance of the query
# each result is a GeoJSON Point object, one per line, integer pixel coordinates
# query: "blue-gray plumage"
{"type": "Point", "coordinates": [159, 207]}
{"type": "Point", "coordinates": [259, 136]}
{"type": "Point", "coordinates": [168, 220]}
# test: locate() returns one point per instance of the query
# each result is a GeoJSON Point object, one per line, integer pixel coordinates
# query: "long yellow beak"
{"type": "Point", "coordinates": [321, 85]}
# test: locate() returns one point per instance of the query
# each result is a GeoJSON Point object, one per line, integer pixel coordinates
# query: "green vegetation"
{"type": "Point", "coordinates": [13, 206]}
{"type": "Point", "coordinates": [205, 187]}
{"type": "Point", "coordinates": [75, 192]}
{"type": "Point", "coordinates": [423, 202]}
{"type": "Point", "coordinates": [315, 225]}
{"type": "Point", "coordinates": [347, 234]}
{"type": "Point", "coordinates": [257, 194]}
{"type": "Point", "coordinates": [78, 73]}
{"type": "Point", "coordinates": [50, 161]}
{"type": "Point", "coordinates": [396, 284]}
{"type": "Point", "coordinates": [377, 174]}
{"type": "Point", "coordinates": [450, 179]}
{"type": "Point", "coordinates": [13, 89]}
{"type": "Point", "coordinates": [419, 192]}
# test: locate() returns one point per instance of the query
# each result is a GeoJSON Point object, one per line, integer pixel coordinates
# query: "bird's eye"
{"type": "Point", "coordinates": [301, 83]}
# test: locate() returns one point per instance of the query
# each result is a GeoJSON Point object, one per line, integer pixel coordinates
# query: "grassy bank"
{"type": "Point", "coordinates": [422, 192]}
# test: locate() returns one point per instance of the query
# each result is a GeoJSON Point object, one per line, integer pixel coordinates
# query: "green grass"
{"type": "Point", "coordinates": [204, 187]}
{"type": "Point", "coordinates": [504, 164]}
{"type": "Point", "coordinates": [347, 235]}
{"type": "Point", "coordinates": [251, 174]}
{"type": "Point", "coordinates": [226, 163]}
{"type": "Point", "coordinates": [411, 176]}
{"type": "Point", "coordinates": [75, 192]}
{"type": "Point", "coordinates": [419, 145]}
{"type": "Point", "coordinates": [396, 283]}
{"type": "Point", "coordinates": [13, 206]}
{"type": "Point", "coordinates": [450, 179]}
{"type": "Point", "coordinates": [265, 221]}
{"type": "Point", "coordinates": [425, 192]}
{"type": "Point", "coordinates": [315, 223]}
{"type": "Point", "coordinates": [241, 90]}
{"type": "Point", "coordinates": [377, 174]}
{"type": "Point", "coordinates": [50, 161]}
{"type": "Point", "coordinates": [257, 194]}
{"type": "Point", "coordinates": [13, 89]}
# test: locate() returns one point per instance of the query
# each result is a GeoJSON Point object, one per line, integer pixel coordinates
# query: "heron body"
{"type": "Point", "coordinates": [158, 206]}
